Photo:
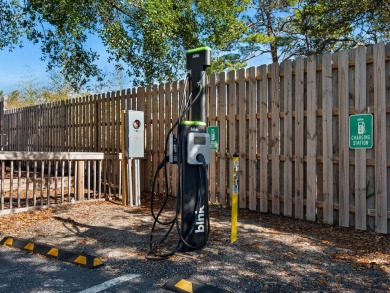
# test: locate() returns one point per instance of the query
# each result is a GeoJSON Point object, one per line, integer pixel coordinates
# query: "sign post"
{"type": "Point", "coordinates": [360, 131]}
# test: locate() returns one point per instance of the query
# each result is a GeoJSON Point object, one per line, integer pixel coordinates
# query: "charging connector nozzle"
{"type": "Point", "coordinates": [200, 158]}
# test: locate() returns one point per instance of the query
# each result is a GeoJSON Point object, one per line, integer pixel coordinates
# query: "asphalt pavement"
{"type": "Point", "coordinates": [26, 272]}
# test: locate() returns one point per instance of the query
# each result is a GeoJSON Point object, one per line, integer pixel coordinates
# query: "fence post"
{"type": "Point", "coordinates": [123, 162]}
{"type": "Point", "coordinates": [80, 180]}
{"type": "Point", "coordinates": [1, 123]}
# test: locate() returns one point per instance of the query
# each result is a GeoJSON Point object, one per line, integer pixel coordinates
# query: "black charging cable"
{"type": "Point", "coordinates": [200, 158]}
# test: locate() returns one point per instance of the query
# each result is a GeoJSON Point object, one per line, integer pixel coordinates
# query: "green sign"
{"type": "Point", "coordinates": [214, 137]}
{"type": "Point", "coordinates": [360, 131]}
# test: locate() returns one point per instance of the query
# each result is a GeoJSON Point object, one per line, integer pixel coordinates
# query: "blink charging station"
{"type": "Point", "coordinates": [195, 154]}
{"type": "Point", "coordinates": [189, 149]}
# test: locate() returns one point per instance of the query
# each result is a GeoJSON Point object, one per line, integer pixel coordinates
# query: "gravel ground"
{"type": "Point", "coordinates": [272, 253]}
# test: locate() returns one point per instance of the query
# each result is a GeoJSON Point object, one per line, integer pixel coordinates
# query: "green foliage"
{"type": "Point", "coordinates": [329, 26]}
{"type": "Point", "coordinates": [151, 36]}
{"type": "Point", "coordinates": [287, 29]}
{"type": "Point", "coordinates": [374, 25]}
{"type": "Point", "coordinates": [269, 30]}
{"type": "Point", "coordinates": [14, 100]}
{"type": "Point", "coordinates": [226, 62]}
{"type": "Point", "coordinates": [326, 25]}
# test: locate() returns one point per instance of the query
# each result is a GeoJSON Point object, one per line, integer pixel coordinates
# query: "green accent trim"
{"type": "Point", "coordinates": [198, 50]}
{"type": "Point", "coordinates": [194, 123]}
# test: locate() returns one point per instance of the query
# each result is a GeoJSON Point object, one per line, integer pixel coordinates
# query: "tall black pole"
{"type": "Point", "coordinates": [197, 62]}
{"type": "Point", "coordinates": [194, 200]}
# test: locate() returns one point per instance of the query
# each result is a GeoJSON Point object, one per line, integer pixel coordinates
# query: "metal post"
{"type": "Point", "coordinates": [137, 183]}
{"type": "Point", "coordinates": [129, 183]}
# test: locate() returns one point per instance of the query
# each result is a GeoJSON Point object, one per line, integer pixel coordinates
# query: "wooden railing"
{"type": "Point", "coordinates": [38, 179]}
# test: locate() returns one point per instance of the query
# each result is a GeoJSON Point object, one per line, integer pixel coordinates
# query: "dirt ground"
{"type": "Point", "coordinates": [272, 253]}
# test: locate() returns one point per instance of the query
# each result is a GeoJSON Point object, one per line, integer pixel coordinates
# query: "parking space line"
{"type": "Point", "coordinates": [110, 283]}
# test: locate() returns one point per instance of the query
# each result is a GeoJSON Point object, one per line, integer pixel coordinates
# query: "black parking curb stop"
{"type": "Point", "coordinates": [184, 286]}
{"type": "Point", "coordinates": [83, 259]}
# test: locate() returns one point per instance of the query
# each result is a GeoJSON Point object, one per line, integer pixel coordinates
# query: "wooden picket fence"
{"type": "Point", "coordinates": [289, 124]}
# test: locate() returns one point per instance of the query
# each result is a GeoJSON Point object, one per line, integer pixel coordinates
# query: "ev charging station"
{"type": "Point", "coordinates": [195, 155]}
{"type": "Point", "coordinates": [190, 150]}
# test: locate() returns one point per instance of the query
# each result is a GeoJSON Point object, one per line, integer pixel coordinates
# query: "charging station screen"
{"type": "Point", "coordinates": [199, 140]}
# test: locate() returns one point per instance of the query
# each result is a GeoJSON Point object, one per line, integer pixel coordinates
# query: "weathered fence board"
{"type": "Point", "coordinates": [242, 136]}
{"type": "Point", "coordinates": [231, 111]}
{"type": "Point", "coordinates": [299, 141]}
{"type": "Point", "coordinates": [275, 137]}
{"type": "Point", "coordinates": [155, 151]}
{"type": "Point", "coordinates": [288, 138]}
{"type": "Point", "coordinates": [263, 138]}
{"type": "Point", "coordinates": [252, 139]}
{"type": "Point", "coordinates": [175, 116]}
{"type": "Point", "coordinates": [212, 122]}
{"type": "Point", "coordinates": [222, 98]}
{"type": "Point", "coordinates": [380, 139]}
{"type": "Point", "coordinates": [327, 104]}
{"type": "Point", "coordinates": [161, 132]}
{"type": "Point", "coordinates": [311, 137]}
{"type": "Point", "coordinates": [343, 95]}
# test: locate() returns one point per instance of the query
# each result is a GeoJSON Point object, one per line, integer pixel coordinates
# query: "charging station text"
{"type": "Point", "coordinates": [200, 221]}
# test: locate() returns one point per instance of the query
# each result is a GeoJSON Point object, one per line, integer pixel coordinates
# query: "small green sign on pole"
{"type": "Point", "coordinates": [214, 137]}
{"type": "Point", "coordinates": [360, 131]}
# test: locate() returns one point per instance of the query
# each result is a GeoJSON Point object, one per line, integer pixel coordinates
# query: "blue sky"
{"type": "Point", "coordinates": [15, 66]}
{"type": "Point", "coordinates": [25, 62]}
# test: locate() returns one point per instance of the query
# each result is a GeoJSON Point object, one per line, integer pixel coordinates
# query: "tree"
{"type": "Point", "coordinates": [287, 29]}
{"type": "Point", "coordinates": [328, 26]}
{"type": "Point", "coordinates": [374, 26]}
{"type": "Point", "coordinates": [269, 30]}
{"type": "Point", "coordinates": [14, 100]}
{"type": "Point", "coordinates": [32, 92]}
{"type": "Point", "coordinates": [58, 89]}
{"type": "Point", "coordinates": [151, 36]}
{"type": "Point", "coordinates": [267, 23]}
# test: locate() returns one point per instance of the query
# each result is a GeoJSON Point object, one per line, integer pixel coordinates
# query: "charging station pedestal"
{"type": "Point", "coordinates": [195, 142]}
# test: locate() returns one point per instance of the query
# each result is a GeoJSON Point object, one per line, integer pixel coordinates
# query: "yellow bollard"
{"type": "Point", "coordinates": [233, 235]}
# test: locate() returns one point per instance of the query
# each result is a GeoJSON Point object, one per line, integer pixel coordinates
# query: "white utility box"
{"type": "Point", "coordinates": [135, 134]}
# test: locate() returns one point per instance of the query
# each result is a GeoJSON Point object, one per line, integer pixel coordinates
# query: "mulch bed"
{"type": "Point", "coordinates": [272, 253]}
